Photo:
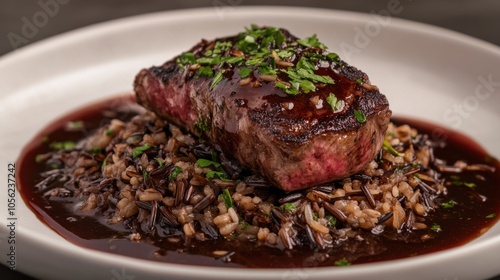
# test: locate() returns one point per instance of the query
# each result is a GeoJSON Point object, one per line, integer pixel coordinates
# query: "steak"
{"type": "Point", "coordinates": [283, 107]}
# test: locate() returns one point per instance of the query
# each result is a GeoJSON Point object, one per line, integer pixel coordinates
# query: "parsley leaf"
{"type": "Point", "coordinates": [201, 124]}
{"type": "Point", "coordinates": [221, 174]}
{"type": "Point", "coordinates": [161, 162]}
{"type": "Point", "coordinates": [234, 59]}
{"type": "Point", "coordinates": [266, 69]}
{"type": "Point", "coordinates": [217, 79]}
{"type": "Point", "coordinates": [206, 163]}
{"type": "Point", "coordinates": [360, 116]}
{"type": "Point", "coordinates": [312, 42]}
{"type": "Point", "coordinates": [228, 200]}
{"type": "Point", "coordinates": [337, 105]}
{"type": "Point", "coordinates": [331, 221]}
{"type": "Point", "coordinates": [137, 151]}
{"type": "Point", "coordinates": [449, 204]}
{"type": "Point", "coordinates": [245, 72]}
{"type": "Point", "coordinates": [388, 147]}
{"type": "Point", "coordinates": [491, 216]}
{"type": "Point", "coordinates": [287, 207]}
{"type": "Point", "coordinates": [342, 262]}
{"type": "Point", "coordinates": [435, 227]}
{"type": "Point", "coordinates": [186, 58]}
{"type": "Point", "coordinates": [64, 145]}
{"type": "Point", "coordinates": [205, 71]}
{"type": "Point", "coordinates": [104, 163]}
{"type": "Point", "coordinates": [175, 172]}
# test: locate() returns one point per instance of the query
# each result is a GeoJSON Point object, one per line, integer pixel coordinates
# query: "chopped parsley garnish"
{"type": "Point", "coordinates": [139, 150]}
{"type": "Point", "coordinates": [206, 71]}
{"type": "Point", "coordinates": [109, 132]}
{"type": "Point", "coordinates": [360, 116]}
{"type": "Point", "coordinates": [201, 125]}
{"type": "Point", "coordinates": [160, 161]}
{"type": "Point", "coordinates": [245, 72]}
{"type": "Point", "coordinates": [470, 185]}
{"type": "Point", "coordinates": [104, 163]}
{"type": "Point", "coordinates": [266, 50]}
{"type": "Point", "coordinates": [449, 204]}
{"type": "Point", "coordinates": [228, 200]}
{"type": "Point", "coordinates": [435, 227]}
{"type": "Point", "coordinates": [332, 221]}
{"type": "Point", "coordinates": [287, 207]}
{"type": "Point", "coordinates": [337, 105]}
{"type": "Point", "coordinates": [491, 216]}
{"type": "Point", "coordinates": [175, 172]}
{"type": "Point", "coordinates": [244, 225]}
{"type": "Point", "coordinates": [312, 42]}
{"type": "Point", "coordinates": [75, 125]}
{"type": "Point", "coordinates": [186, 58]}
{"type": "Point", "coordinates": [467, 184]}
{"type": "Point", "coordinates": [388, 147]}
{"type": "Point", "coordinates": [221, 174]}
{"type": "Point", "coordinates": [63, 145]}
{"type": "Point", "coordinates": [342, 262]}
{"type": "Point", "coordinates": [217, 79]}
{"type": "Point", "coordinates": [206, 163]}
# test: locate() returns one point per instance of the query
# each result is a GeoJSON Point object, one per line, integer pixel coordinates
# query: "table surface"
{"type": "Point", "coordinates": [477, 18]}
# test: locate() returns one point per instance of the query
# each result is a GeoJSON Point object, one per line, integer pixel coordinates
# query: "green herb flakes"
{"type": "Point", "coordinates": [245, 72]}
{"type": "Point", "coordinates": [205, 71]}
{"type": "Point", "coordinates": [175, 172]}
{"type": "Point", "coordinates": [491, 216]}
{"type": "Point", "coordinates": [360, 116]}
{"type": "Point", "coordinates": [261, 49]}
{"type": "Point", "coordinates": [312, 42]}
{"type": "Point", "coordinates": [75, 125]}
{"type": "Point", "coordinates": [63, 145]}
{"type": "Point", "coordinates": [160, 161]}
{"type": "Point", "coordinates": [337, 105]}
{"type": "Point", "coordinates": [287, 207]}
{"type": "Point", "coordinates": [109, 132]}
{"type": "Point", "coordinates": [221, 174]}
{"type": "Point", "coordinates": [41, 157]}
{"type": "Point", "coordinates": [342, 262]}
{"type": "Point", "coordinates": [104, 163]}
{"type": "Point", "coordinates": [449, 204]}
{"type": "Point", "coordinates": [206, 163]}
{"type": "Point", "coordinates": [331, 221]}
{"type": "Point", "coordinates": [186, 58]}
{"type": "Point", "coordinates": [388, 147]}
{"type": "Point", "coordinates": [137, 151]}
{"type": "Point", "coordinates": [201, 125]}
{"type": "Point", "coordinates": [470, 185]}
{"type": "Point", "coordinates": [228, 200]}
{"type": "Point", "coordinates": [435, 227]}
{"type": "Point", "coordinates": [217, 79]}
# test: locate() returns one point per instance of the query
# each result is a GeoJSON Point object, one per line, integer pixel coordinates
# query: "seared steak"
{"type": "Point", "coordinates": [283, 107]}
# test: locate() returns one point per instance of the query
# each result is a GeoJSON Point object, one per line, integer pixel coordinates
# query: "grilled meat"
{"type": "Point", "coordinates": [283, 107]}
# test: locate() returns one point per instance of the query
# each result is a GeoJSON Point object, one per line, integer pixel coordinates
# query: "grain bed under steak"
{"type": "Point", "coordinates": [293, 141]}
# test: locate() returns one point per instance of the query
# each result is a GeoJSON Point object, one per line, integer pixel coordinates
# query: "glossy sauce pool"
{"type": "Point", "coordinates": [467, 220]}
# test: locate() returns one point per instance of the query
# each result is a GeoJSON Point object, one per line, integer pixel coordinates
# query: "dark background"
{"type": "Point", "coordinates": [477, 18]}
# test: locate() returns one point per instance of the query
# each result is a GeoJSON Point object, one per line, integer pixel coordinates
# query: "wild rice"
{"type": "Point", "coordinates": [147, 171]}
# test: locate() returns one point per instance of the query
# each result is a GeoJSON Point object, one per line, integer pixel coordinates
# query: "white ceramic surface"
{"type": "Point", "coordinates": [426, 72]}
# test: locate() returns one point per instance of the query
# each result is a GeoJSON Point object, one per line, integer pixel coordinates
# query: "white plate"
{"type": "Point", "coordinates": [426, 72]}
